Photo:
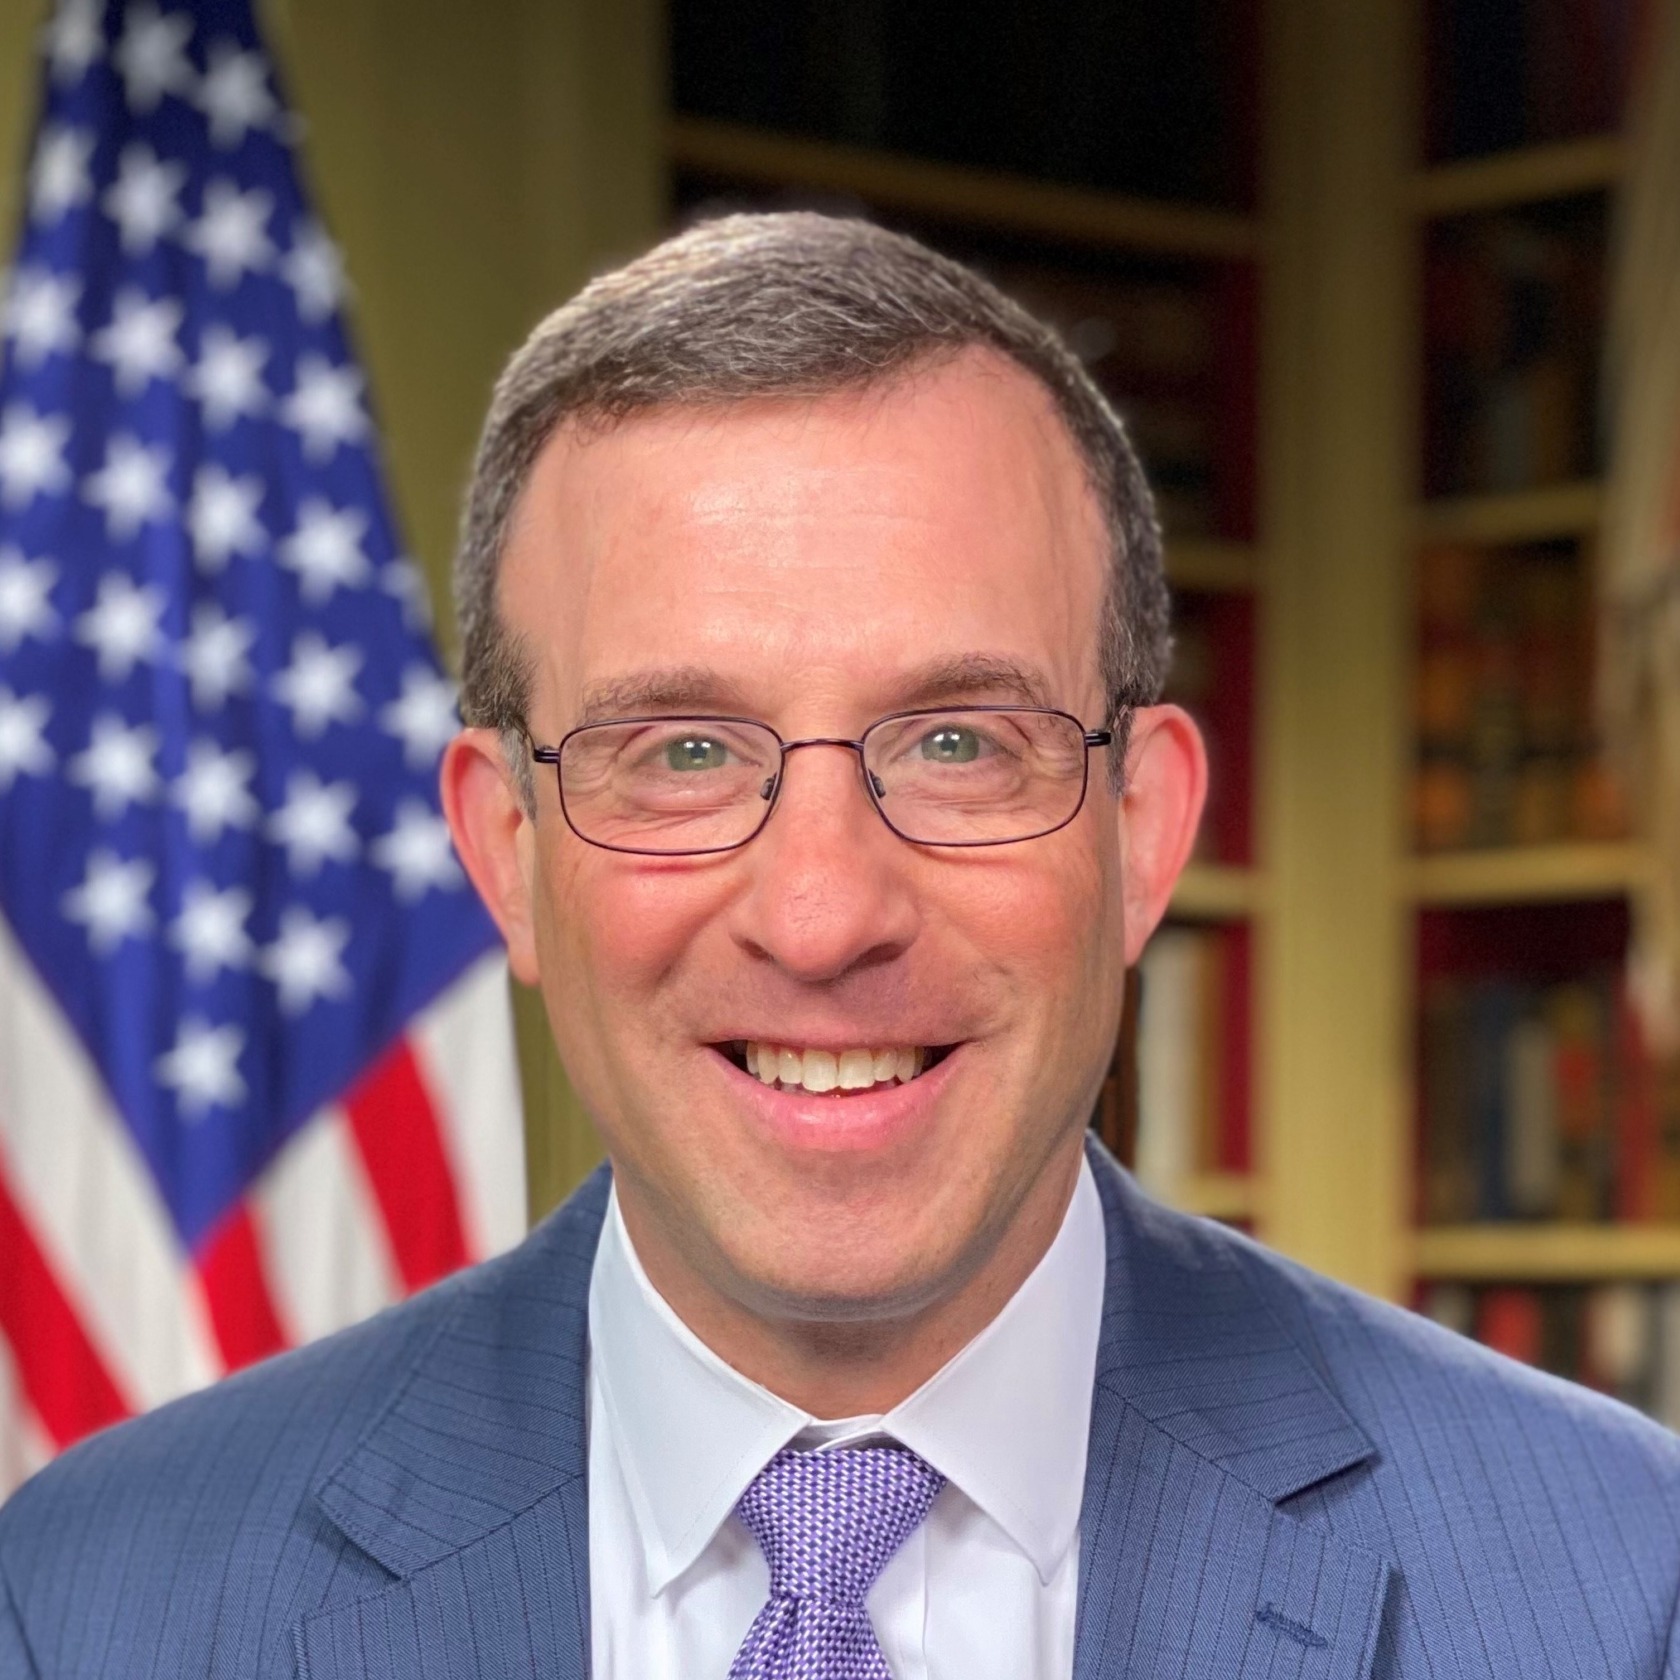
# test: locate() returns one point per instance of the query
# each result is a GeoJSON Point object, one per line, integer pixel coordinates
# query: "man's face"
{"type": "Point", "coordinates": [816, 564]}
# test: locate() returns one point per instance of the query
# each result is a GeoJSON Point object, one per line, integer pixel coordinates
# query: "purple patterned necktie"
{"type": "Point", "coordinates": [827, 1523]}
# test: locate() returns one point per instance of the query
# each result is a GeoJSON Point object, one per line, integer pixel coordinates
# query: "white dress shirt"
{"type": "Point", "coordinates": [985, 1589]}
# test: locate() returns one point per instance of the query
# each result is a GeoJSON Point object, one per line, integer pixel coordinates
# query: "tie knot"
{"type": "Point", "coordinates": [827, 1522]}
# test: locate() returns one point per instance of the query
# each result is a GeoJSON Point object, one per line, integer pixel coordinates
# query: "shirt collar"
{"type": "Point", "coordinates": [1006, 1421]}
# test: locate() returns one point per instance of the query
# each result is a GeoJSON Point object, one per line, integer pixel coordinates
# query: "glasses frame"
{"type": "Point", "coordinates": [551, 755]}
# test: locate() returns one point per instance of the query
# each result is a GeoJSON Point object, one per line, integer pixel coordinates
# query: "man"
{"type": "Point", "coordinates": [814, 631]}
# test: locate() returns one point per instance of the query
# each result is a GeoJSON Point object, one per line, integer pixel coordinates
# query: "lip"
{"type": "Point", "coordinates": [860, 1122]}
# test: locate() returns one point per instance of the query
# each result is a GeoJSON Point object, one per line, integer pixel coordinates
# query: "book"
{"type": "Point", "coordinates": [1538, 1100]}
{"type": "Point", "coordinates": [1192, 1056]}
{"type": "Point", "coordinates": [1507, 743]}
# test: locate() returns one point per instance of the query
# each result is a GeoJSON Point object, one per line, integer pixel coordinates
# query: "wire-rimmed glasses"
{"type": "Point", "coordinates": [687, 786]}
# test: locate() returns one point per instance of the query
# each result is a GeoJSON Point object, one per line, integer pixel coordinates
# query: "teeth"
{"type": "Point", "coordinates": [857, 1069]}
{"type": "Point", "coordinates": [821, 1071]}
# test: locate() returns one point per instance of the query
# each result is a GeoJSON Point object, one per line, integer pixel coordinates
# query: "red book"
{"type": "Point", "coordinates": [1634, 1117]}
{"type": "Point", "coordinates": [1509, 1322]}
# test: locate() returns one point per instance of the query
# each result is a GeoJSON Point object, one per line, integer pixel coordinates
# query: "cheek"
{"type": "Point", "coordinates": [1050, 917]}
{"type": "Point", "coordinates": [619, 925]}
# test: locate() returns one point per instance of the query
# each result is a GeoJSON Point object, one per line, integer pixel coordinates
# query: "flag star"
{"type": "Point", "coordinates": [74, 37]}
{"type": "Point", "coordinates": [40, 314]}
{"type": "Point", "coordinates": [314, 823]}
{"type": "Point", "coordinates": [31, 454]}
{"type": "Point", "coordinates": [214, 790]}
{"type": "Point", "coordinates": [304, 960]}
{"type": "Point", "coordinates": [319, 686]}
{"type": "Point", "coordinates": [117, 767]}
{"type": "Point", "coordinates": [423, 716]}
{"type": "Point", "coordinates": [130, 486]}
{"type": "Point", "coordinates": [25, 598]}
{"type": "Point", "coordinates": [401, 579]}
{"type": "Point", "coordinates": [231, 233]}
{"type": "Point", "coordinates": [210, 930]}
{"type": "Point", "coordinates": [203, 1068]}
{"type": "Point", "coordinates": [228, 378]}
{"type": "Point", "coordinates": [143, 199]}
{"type": "Point", "coordinates": [326, 407]}
{"type": "Point", "coordinates": [151, 56]}
{"type": "Point", "coordinates": [140, 342]}
{"type": "Point", "coordinates": [222, 517]}
{"type": "Point", "coordinates": [326, 549]}
{"type": "Point", "coordinates": [111, 901]}
{"type": "Point", "coordinates": [122, 624]}
{"type": "Point", "coordinates": [23, 747]}
{"type": "Point", "coordinates": [235, 94]}
{"type": "Point", "coordinates": [314, 269]}
{"type": "Point", "coordinates": [417, 852]}
{"type": "Point", "coordinates": [213, 655]}
{"type": "Point", "coordinates": [59, 177]}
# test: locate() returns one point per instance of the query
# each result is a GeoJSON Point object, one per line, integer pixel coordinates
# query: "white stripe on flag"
{"type": "Point", "coordinates": [323, 1240]}
{"type": "Point", "coordinates": [464, 1045]}
{"type": "Point", "coordinates": [24, 1447]}
{"type": "Point", "coordinates": [90, 1200]}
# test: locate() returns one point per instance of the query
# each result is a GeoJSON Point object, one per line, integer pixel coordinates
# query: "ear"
{"type": "Point", "coordinates": [1166, 787]}
{"type": "Point", "coordinates": [495, 837]}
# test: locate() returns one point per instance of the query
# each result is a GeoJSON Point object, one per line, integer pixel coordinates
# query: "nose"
{"type": "Point", "coordinates": [830, 890]}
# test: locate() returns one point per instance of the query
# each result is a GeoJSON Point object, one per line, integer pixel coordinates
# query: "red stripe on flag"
{"type": "Point", "coordinates": [67, 1383]}
{"type": "Point", "coordinates": [242, 1311]}
{"type": "Point", "coordinates": [395, 1124]}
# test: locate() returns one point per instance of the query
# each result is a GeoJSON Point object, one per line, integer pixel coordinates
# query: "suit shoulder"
{"type": "Point", "coordinates": [1401, 1374]}
{"type": "Point", "coordinates": [223, 1476]}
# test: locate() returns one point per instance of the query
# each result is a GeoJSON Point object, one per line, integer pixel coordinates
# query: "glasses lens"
{"type": "Point", "coordinates": [668, 784]}
{"type": "Point", "coordinates": [977, 777]}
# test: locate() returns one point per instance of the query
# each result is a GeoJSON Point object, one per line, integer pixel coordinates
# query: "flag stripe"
{"type": "Point", "coordinates": [67, 1383]}
{"type": "Point", "coordinates": [464, 1045]}
{"type": "Point", "coordinates": [92, 1205]}
{"type": "Point", "coordinates": [24, 1446]}
{"type": "Point", "coordinates": [396, 1129]}
{"type": "Point", "coordinates": [325, 1251]}
{"type": "Point", "coordinates": [242, 1312]}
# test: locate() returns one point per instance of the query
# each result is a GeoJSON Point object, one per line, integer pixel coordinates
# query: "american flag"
{"type": "Point", "coordinates": [256, 1072]}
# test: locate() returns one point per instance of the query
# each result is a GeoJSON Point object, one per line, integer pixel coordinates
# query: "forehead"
{"type": "Point", "coordinates": [806, 554]}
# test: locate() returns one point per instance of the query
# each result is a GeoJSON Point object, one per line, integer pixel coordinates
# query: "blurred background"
{"type": "Point", "coordinates": [1357, 273]}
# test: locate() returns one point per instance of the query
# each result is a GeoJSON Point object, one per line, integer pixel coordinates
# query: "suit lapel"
{"type": "Point", "coordinates": [471, 1487]}
{"type": "Point", "coordinates": [1205, 1417]}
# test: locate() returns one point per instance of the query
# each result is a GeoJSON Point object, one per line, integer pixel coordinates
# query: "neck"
{"type": "Point", "coordinates": [854, 1364]}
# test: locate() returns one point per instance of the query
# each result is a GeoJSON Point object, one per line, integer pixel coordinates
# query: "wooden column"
{"type": "Point", "coordinates": [1337, 482]}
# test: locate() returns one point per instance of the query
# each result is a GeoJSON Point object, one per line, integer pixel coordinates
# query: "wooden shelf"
{"type": "Point", "coordinates": [1218, 892]}
{"type": "Point", "coordinates": [949, 192]}
{"type": "Point", "coordinates": [1201, 564]}
{"type": "Point", "coordinates": [1218, 1196]}
{"type": "Point", "coordinates": [1534, 1253]}
{"type": "Point", "coordinates": [1520, 177]}
{"type": "Point", "coordinates": [1558, 510]}
{"type": "Point", "coordinates": [1527, 874]}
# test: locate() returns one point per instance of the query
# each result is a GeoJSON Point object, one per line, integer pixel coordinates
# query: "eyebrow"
{"type": "Point", "coordinates": [697, 689]}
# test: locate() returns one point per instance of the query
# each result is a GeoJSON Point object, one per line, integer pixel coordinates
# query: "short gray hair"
{"type": "Point", "coordinates": [791, 304]}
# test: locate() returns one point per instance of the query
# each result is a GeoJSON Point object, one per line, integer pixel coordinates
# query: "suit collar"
{"type": "Point", "coordinates": [490, 1419]}
{"type": "Point", "coordinates": [1206, 1418]}
{"type": "Point", "coordinates": [1189, 1343]}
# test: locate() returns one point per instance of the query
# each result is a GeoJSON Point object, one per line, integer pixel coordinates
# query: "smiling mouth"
{"type": "Point", "coordinates": [841, 1073]}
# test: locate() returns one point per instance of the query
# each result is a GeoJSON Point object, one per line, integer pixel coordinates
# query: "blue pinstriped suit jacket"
{"type": "Point", "coordinates": [1286, 1480]}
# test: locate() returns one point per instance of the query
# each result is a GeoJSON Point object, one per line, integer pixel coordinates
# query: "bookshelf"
{"type": "Point", "coordinates": [1535, 1207]}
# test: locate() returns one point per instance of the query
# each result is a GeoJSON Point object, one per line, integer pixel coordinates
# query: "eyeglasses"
{"type": "Point", "coordinates": [685, 786]}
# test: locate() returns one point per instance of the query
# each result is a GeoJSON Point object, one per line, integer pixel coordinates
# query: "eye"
{"type": "Point", "coordinates": [951, 744]}
{"type": "Point", "coordinates": [695, 752]}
